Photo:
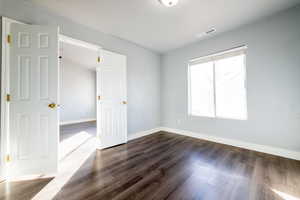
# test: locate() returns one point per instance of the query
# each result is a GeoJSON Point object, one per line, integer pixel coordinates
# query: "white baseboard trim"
{"type": "Point", "coordinates": [77, 121]}
{"type": "Point", "coordinates": [143, 133]}
{"type": "Point", "coordinates": [237, 143]}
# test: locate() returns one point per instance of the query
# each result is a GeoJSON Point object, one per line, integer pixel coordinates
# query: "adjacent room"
{"type": "Point", "coordinates": [78, 103]}
{"type": "Point", "coordinates": [153, 99]}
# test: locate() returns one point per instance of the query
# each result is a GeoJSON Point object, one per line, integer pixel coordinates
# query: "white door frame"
{"type": "Point", "coordinates": [6, 22]}
{"type": "Point", "coordinates": [80, 43]}
{"type": "Point", "coordinates": [87, 45]}
{"type": "Point", "coordinates": [5, 66]}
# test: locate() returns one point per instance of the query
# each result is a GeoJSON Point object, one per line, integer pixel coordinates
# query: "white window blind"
{"type": "Point", "coordinates": [217, 85]}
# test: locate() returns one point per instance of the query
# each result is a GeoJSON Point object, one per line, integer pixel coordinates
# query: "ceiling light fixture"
{"type": "Point", "coordinates": [169, 3]}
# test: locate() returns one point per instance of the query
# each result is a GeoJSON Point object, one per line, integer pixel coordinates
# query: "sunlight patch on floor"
{"type": "Point", "coordinates": [67, 169]}
{"type": "Point", "coordinates": [285, 196]}
{"type": "Point", "coordinates": [70, 144]}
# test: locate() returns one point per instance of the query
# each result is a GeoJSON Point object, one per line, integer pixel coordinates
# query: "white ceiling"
{"type": "Point", "coordinates": [83, 56]}
{"type": "Point", "coordinates": [149, 24]}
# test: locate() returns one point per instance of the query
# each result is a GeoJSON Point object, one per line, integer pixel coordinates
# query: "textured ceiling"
{"type": "Point", "coordinates": [149, 24]}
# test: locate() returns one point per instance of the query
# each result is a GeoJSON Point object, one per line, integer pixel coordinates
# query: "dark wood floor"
{"type": "Point", "coordinates": [169, 166]}
{"type": "Point", "coordinates": [22, 190]}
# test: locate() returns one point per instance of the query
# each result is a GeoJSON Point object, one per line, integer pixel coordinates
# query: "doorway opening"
{"type": "Point", "coordinates": [78, 94]}
{"type": "Point", "coordinates": [30, 111]}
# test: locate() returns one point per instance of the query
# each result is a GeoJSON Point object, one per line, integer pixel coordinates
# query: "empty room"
{"type": "Point", "coordinates": [151, 99]}
{"type": "Point", "coordinates": [77, 69]}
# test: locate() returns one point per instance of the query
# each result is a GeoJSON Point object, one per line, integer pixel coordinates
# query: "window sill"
{"type": "Point", "coordinates": [221, 118]}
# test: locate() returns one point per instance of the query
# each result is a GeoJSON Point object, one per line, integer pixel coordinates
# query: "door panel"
{"type": "Point", "coordinates": [33, 86]}
{"type": "Point", "coordinates": [112, 107]}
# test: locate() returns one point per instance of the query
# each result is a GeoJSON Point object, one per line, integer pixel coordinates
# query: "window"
{"type": "Point", "coordinates": [217, 85]}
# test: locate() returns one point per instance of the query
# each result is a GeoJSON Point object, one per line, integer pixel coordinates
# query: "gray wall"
{"type": "Point", "coordinates": [273, 81]}
{"type": "Point", "coordinates": [143, 66]}
{"type": "Point", "coordinates": [77, 93]}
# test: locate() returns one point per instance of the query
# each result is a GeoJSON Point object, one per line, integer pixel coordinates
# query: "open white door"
{"type": "Point", "coordinates": [112, 99]}
{"type": "Point", "coordinates": [33, 112]}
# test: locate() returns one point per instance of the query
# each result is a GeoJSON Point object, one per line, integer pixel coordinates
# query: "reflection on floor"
{"type": "Point", "coordinates": [67, 131]}
{"type": "Point", "coordinates": [74, 135]}
{"type": "Point", "coordinates": [169, 166]}
{"type": "Point", "coordinates": [67, 168]}
{"type": "Point", "coordinates": [77, 143]}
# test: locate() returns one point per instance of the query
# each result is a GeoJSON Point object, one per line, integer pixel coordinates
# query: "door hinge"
{"type": "Point", "coordinates": [8, 97]}
{"type": "Point", "coordinates": [98, 59]}
{"type": "Point", "coordinates": [8, 39]}
{"type": "Point", "coordinates": [99, 98]}
{"type": "Point", "coordinates": [7, 158]}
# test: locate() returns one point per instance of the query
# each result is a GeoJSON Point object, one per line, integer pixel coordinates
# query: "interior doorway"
{"type": "Point", "coordinates": [78, 94]}
{"type": "Point", "coordinates": [32, 100]}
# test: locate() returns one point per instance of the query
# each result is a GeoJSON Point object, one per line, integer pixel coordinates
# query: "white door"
{"type": "Point", "coordinates": [33, 120]}
{"type": "Point", "coordinates": [112, 99]}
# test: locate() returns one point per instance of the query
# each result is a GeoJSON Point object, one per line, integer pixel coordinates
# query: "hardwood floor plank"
{"type": "Point", "coordinates": [169, 166]}
{"type": "Point", "coordinates": [22, 190]}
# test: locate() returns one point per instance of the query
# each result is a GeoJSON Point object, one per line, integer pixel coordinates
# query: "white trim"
{"type": "Point", "coordinates": [3, 91]}
{"type": "Point", "coordinates": [234, 49]}
{"type": "Point", "coordinates": [99, 49]}
{"type": "Point", "coordinates": [232, 142]}
{"type": "Point", "coordinates": [77, 121]}
{"type": "Point", "coordinates": [143, 133]}
{"type": "Point", "coordinates": [80, 43]}
{"type": "Point", "coordinates": [237, 143]}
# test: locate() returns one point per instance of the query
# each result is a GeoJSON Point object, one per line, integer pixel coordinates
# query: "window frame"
{"type": "Point", "coordinates": [214, 58]}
